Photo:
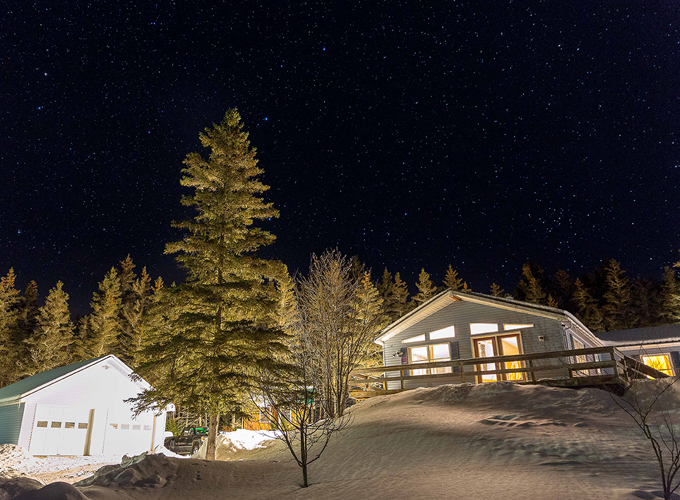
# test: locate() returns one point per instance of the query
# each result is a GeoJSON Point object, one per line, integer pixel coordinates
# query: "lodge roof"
{"type": "Point", "coordinates": [638, 336]}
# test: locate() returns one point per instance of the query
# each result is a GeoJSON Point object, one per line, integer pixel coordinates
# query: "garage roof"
{"type": "Point", "coordinates": [39, 380]}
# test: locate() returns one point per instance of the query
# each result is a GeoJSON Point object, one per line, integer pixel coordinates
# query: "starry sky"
{"type": "Point", "coordinates": [410, 133]}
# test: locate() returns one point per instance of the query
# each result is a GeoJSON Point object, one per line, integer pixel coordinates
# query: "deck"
{"type": "Point", "coordinates": [591, 367]}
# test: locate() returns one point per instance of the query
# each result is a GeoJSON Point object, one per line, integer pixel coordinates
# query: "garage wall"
{"type": "Point", "coordinates": [103, 387]}
{"type": "Point", "coordinates": [10, 423]}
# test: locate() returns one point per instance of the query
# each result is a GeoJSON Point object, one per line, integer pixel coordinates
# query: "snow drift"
{"type": "Point", "coordinates": [463, 441]}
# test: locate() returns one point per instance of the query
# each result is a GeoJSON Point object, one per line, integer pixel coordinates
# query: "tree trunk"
{"type": "Point", "coordinates": [212, 437]}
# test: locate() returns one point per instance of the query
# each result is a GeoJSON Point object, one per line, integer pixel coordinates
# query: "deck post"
{"type": "Point", "coordinates": [401, 375]}
{"type": "Point", "coordinates": [462, 373]}
{"type": "Point", "coordinates": [532, 374]}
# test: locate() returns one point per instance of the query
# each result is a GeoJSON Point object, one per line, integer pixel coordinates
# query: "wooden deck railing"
{"type": "Point", "coordinates": [608, 365]}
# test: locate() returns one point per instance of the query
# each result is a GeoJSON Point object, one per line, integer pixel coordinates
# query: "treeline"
{"type": "Point", "coordinates": [34, 339]}
{"type": "Point", "coordinates": [604, 299]}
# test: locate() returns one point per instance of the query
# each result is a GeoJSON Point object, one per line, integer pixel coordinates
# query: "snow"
{"type": "Point", "coordinates": [241, 439]}
{"type": "Point", "coordinates": [476, 442]}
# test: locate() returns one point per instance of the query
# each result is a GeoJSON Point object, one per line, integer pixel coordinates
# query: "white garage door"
{"type": "Point", "coordinates": [59, 431]}
{"type": "Point", "coordinates": [127, 436]}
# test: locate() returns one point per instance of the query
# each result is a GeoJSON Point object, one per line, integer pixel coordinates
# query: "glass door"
{"type": "Point", "coordinates": [485, 348]}
{"type": "Point", "coordinates": [498, 345]}
{"type": "Point", "coordinates": [509, 345]}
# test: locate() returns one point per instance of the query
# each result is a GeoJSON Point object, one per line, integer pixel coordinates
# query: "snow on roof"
{"type": "Point", "coordinates": [637, 336]}
{"type": "Point", "coordinates": [43, 379]}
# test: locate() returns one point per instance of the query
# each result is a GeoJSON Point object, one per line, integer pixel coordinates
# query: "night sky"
{"type": "Point", "coordinates": [412, 134]}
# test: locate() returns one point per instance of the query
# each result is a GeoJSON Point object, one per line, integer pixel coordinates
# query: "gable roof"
{"type": "Point", "coordinates": [41, 380]}
{"type": "Point", "coordinates": [637, 336]}
{"type": "Point", "coordinates": [446, 297]}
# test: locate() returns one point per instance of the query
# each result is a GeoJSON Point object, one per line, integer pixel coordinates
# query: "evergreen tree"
{"type": "Point", "coordinates": [496, 290]}
{"type": "Point", "coordinates": [49, 346]}
{"type": "Point", "coordinates": [370, 311]}
{"type": "Point", "coordinates": [530, 288]}
{"type": "Point", "coordinates": [564, 290]}
{"type": "Point", "coordinates": [9, 321]}
{"type": "Point", "coordinates": [28, 312]}
{"type": "Point", "coordinates": [426, 289]}
{"type": "Point", "coordinates": [104, 322]}
{"type": "Point", "coordinates": [671, 295]}
{"type": "Point", "coordinates": [588, 310]}
{"type": "Point", "coordinates": [133, 310]}
{"type": "Point", "coordinates": [617, 298]}
{"type": "Point", "coordinates": [451, 280]}
{"type": "Point", "coordinates": [209, 337]}
{"type": "Point", "coordinates": [399, 304]}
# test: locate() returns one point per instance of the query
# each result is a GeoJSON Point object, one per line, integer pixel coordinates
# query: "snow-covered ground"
{"type": "Point", "coordinates": [473, 442]}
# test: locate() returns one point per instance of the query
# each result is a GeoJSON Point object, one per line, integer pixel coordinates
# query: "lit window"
{"type": "Point", "coordinates": [124, 427]}
{"type": "Point", "coordinates": [477, 328]}
{"type": "Point", "coordinates": [660, 362]}
{"type": "Point", "coordinates": [82, 425]}
{"type": "Point", "coordinates": [418, 338]}
{"type": "Point", "coordinates": [42, 423]}
{"type": "Point", "coordinates": [444, 333]}
{"type": "Point", "coordinates": [147, 427]}
{"type": "Point", "coordinates": [520, 326]}
{"type": "Point", "coordinates": [56, 425]}
{"type": "Point", "coordinates": [114, 426]}
{"type": "Point", "coordinates": [136, 427]}
{"type": "Point", "coordinates": [427, 354]}
{"type": "Point", "coordinates": [70, 425]}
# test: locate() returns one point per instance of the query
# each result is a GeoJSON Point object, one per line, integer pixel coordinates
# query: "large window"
{"type": "Point", "coordinates": [427, 354]}
{"type": "Point", "coordinates": [659, 362]}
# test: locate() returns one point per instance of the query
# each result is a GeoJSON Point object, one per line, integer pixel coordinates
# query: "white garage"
{"type": "Point", "coordinates": [79, 409]}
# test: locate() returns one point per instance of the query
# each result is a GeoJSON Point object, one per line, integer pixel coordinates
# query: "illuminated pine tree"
{"type": "Point", "coordinates": [452, 280]}
{"type": "Point", "coordinates": [49, 346]}
{"type": "Point", "coordinates": [588, 310]}
{"type": "Point", "coordinates": [9, 321]}
{"type": "Point", "coordinates": [426, 289]}
{"type": "Point", "coordinates": [617, 298]}
{"type": "Point", "coordinates": [496, 290]}
{"type": "Point", "coordinates": [210, 337]}
{"type": "Point", "coordinates": [399, 305]}
{"type": "Point", "coordinates": [104, 322]}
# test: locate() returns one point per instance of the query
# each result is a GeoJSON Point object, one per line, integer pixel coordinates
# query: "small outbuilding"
{"type": "Point", "coordinates": [79, 409]}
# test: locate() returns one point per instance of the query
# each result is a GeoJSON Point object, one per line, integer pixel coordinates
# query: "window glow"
{"type": "Point", "coordinates": [427, 354]}
{"type": "Point", "coordinates": [418, 338]}
{"type": "Point", "coordinates": [660, 362]}
{"type": "Point", "coordinates": [477, 328]}
{"type": "Point", "coordinates": [444, 333]}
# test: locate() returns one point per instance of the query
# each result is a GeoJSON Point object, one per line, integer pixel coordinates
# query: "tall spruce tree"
{"type": "Point", "coordinates": [671, 295]}
{"type": "Point", "coordinates": [210, 337]}
{"type": "Point", "coordinates": [617, 298]}
{"type": "Point", "coordinates": [104, 322]}
{"type": "Point", "coordinates": [426, 289]}
{"type": "Point", "coordinates": [588, 310]}
{"type": "Point", "coordinates": [452, 280]}
{"type": "Point", "coordinates": [9, 321]}
{"type": "Point", "coordinates": [49, 346]}
{"type": "Point", "coordinates": [399, 304]}
{"type": "Point", "coordinates": [530, 287]}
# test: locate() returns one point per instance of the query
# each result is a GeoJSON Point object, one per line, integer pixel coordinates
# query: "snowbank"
{"type": "Point", "coordinates": [474, 442]}
{"type": "Point", "coordinates": [241, 439]}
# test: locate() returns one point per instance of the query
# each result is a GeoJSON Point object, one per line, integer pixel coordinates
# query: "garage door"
{"type": "Point", "coordinates": [127, 436]}
{"type": "Point", "coordinates": [59, 431]}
